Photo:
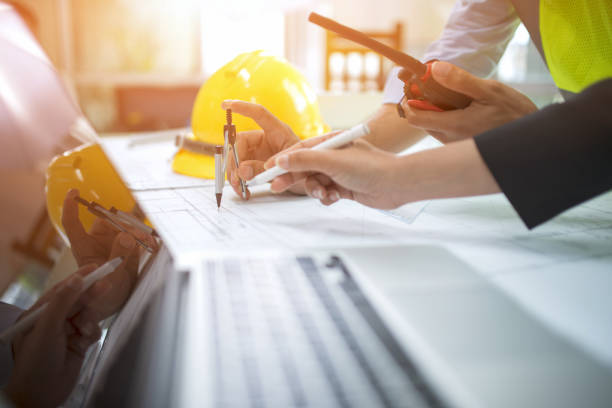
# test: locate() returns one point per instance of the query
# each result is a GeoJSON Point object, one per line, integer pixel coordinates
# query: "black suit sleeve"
{"type": "Point", "coordinates": [556, 158]}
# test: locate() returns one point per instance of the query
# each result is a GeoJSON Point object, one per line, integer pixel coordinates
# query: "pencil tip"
{"type": "Point", "coordinates": [218, 200]}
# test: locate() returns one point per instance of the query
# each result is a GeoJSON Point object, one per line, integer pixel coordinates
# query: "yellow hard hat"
{"type": "Point", "coordinates": [87, 169]}
{"type": "Point", "coordinates": [253, 77]}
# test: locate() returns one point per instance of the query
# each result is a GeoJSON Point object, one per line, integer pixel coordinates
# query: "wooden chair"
{"type": "Point", "coordinates": [351, 67]}
{"type": "Point", "coordinates": [141, 108]}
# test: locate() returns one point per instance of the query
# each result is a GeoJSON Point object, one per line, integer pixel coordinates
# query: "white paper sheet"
{"type": "Point", "coordinates": [148, 165]}
{"type": "Point", "coordinates": [190, 223]}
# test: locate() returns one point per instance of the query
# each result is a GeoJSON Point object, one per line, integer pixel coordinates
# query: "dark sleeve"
{"type": "Point", "coordinates": [561, 156]}
{"type": "Point", "coordinates": [8, 315]}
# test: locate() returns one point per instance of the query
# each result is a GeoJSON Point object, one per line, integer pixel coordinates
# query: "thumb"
{"type": "Point", "coordinates": [304, 160]}
{"type": "Point", "coordinates": [123, 245]}
{"type": "Point", "coordinates": [457, 79]}
{"type": "Point", "coordinates": [250, 168]}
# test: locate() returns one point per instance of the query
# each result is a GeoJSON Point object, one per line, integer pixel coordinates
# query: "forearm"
{"type": "Point", "coordinates": [390, 132]}
{"type": "Point", "coordinates": [454, 170]}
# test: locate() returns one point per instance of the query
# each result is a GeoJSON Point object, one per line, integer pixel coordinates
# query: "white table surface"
{"type": "Point", "coordinates": [561, 271]}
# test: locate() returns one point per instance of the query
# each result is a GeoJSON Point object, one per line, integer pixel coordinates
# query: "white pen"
{"type": "Point", "coordinates": [337, 141]}
{"type": "Point", "coordinates": [24, 324]}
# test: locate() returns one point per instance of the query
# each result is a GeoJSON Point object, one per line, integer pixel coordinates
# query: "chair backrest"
{"type": "Point", "coordinates": [352, 67]}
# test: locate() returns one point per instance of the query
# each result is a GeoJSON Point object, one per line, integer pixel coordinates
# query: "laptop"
{"type": "Point", "coordinates": [363, 327]}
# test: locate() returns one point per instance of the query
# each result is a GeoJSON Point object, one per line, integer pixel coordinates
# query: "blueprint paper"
{"type": "Point", "coordinates": [148, 165]}
{"type": "Point", "coordinates": [191, 225]}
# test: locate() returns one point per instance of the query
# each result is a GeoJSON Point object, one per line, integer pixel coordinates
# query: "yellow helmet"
{"type": "Point", "coordinates": [253, 77]}
{"type": "Point", "coordinates": [87, 169]}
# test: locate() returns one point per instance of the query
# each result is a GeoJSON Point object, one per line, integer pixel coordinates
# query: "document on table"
{"type": "Point", "coordinates": [147, 166]}
{"type": "Point", "coordinates": [191, 225]}
{"type": "Point", "coordinates": [184, 211]}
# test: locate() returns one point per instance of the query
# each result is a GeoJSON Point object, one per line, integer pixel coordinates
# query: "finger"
{"type": "Point", "coordinates": [235, 179]}
{"type": "Point", "coordinates": [447, 121]}
{"type": "Point", "coordinates": [308, 143]}
{"type": "Point", "coordinates": [121, 279]}
{"type": "Point", "coordinates": [266, 120]}
{"type": "Point", "coordinates": [307, 160]}
{"type": "Point", "coordinates": [79, 344]}
{"type": "Point", "coordinates": [457, 79]}
{"type": "Point", "coordinates": [124, 245]}
{"type": "Point", "coordinates": [248, 169]}
{"type": "Point", "coordinates": [82, 272]}
{"type": "Point", "coordinates": [423, 105]}
{"type": "Point", "coordinates": [86, 321]}
{"type": "Point", "coordinates": [282, 183]}
{"type": "Point", "coordinates": [333, 195]}
{"type": "Point", "coordinates": [52, 320]}
{"type": "Point", "coordinates": [248, 143]}
{"type": "Point", "coordinates": [314, 188]}
{"type": "Point", "coordinates": [88, 309]}
{"type": "Point", "coordinates": [344, 192]}
{"type": "Point", "coordinates": [328, 190]}
{"type": "Point", "coordinates": [328, 200]}
{"type": "Point", "coordinates": [142, 236]}
{"type": "Point", "coordinates": [70, 218]}
{"type": "Point", "coordinates": [102, 229]}
{"type": "Point", "coordinates": [99, 289]}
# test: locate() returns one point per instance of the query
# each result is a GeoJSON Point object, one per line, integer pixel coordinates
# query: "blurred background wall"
{"type": "Point", "coordinates": [116, 55]}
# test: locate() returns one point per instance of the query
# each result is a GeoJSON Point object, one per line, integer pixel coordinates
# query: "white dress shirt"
{"type": "Point", "coordinates": [474, 38]}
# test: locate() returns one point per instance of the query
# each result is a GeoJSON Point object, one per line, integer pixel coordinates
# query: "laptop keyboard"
{"type": "Point", "coordinates": [291, 334]}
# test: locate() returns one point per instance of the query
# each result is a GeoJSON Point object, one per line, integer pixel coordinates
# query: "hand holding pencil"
{"type": "Point", "coordinates": [358, 171]}
{"type": "Point", "coordinates": [343, 166]}
{"type": "Point", "coordinates": [38, 310]}
{"type": "Point", "coordinates": [102, 243]}
{"type": "Point", "coordinates": [48, 357]}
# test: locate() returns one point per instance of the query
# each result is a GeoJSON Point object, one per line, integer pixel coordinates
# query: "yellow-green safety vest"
{"type": "Point", "coordinates": [577, 41]}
